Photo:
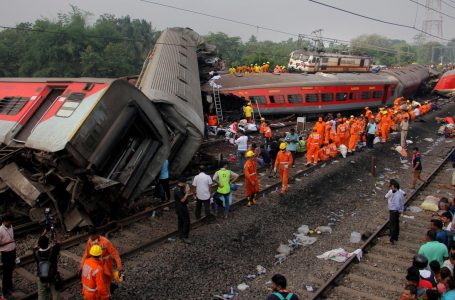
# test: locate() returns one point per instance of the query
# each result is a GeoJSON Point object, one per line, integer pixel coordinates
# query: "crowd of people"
{"type": "Point", "coordinates": [431, 276]}
{"type": "Point", "coordinates": [256, 68]}
{"type": "Point", "coordinates": [100, 264]}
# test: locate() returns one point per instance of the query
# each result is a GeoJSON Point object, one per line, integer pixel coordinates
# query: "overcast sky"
{"type": "Point", "coordinates": [294, 16]}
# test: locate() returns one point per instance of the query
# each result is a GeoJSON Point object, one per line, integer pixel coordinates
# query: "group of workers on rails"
{"type": "Point", "coordinates": [256, 68]}
{"type": "Point", "coordinates": [328, 138]}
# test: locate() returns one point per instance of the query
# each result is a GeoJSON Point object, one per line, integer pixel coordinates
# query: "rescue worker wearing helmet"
{"type": "Point", "coordinates": [283, 162]}
{"type": "Point", "coordinates": [93, 284]}
{"type": "Point", "coordinates": [385, 126]}
{"type": "Point", "coordinates": [248, 111]}
{"type": "Point", "coordinates": [262, 126]}
{"type": "Point", "coordinates": [108, 256]}
{"type": "Point", "coordinates": [313, 144]}
{"type": "Point", "coordinates": [251, 178]}
{"type": "Point", "coordinates": [320, 128]}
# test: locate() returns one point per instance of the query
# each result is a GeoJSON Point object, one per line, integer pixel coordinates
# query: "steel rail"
{"type": "Point", "coordinates": [322, 292]}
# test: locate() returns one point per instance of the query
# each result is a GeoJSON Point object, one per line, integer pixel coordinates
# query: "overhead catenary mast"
{"type": "Point", "coordinates": [432, 24]}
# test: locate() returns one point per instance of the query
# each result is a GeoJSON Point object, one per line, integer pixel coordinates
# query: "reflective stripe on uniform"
{"type": "Point", "coordinates": [89, 289]}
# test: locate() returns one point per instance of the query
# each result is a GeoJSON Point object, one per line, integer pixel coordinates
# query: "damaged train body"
{"type": "Point", "coordinates": [89, 147]}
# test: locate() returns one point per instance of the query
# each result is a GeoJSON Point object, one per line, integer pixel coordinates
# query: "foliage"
{"type": "Point", "coordinates": [71, 47]}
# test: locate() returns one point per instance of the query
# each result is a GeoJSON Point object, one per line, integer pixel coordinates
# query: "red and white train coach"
{"type": "Point", "coordinates": [291, 93]}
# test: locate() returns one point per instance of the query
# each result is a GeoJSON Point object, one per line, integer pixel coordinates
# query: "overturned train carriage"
{"type": "Point", "coordinates": [89, 147]}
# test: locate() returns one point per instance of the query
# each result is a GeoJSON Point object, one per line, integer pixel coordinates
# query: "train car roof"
{"type": "Point", "coordinates": [56, 79]}
{"type": "Point", "coordinates": [269, 80]}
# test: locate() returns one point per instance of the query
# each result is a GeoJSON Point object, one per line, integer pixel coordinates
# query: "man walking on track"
{"type": "Point", "coordinates": [416, 167]}
{"type": "Point", "coordinates": [283, 162]}
{"type": "Point", "coordinates": [395, 201]}
{"type": "Point", "coordinates": [251, 179]}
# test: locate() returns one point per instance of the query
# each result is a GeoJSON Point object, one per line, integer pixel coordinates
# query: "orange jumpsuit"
{"type": "Point", "coordinates": [342, 133]}
{"type": "Point", "coordinates": [93, 286]}
{"type": "Point", "coordinates": [251, 178]}
{"type": "Point", "coordinates": [283, 161]}
{"type": "Point", "coordinates": [385, 128]}
{"type": "Point", "coordinates": [355, 136]}
{"type": "Point", "coordinates": [110, 254]}
{"type": "Point", "coordinates": [324, 153]}
{"type": "Point", "coordinates": [328, 130]}
{"type": "Point", "coordinates": [333, 150]}
{"type": "Point", "coordinates": [262, 127]}
{"type": "Point", "coordinates": [412, 115]}
{"type": "Point", "coordinates": [320, 128]}
{"type": "Point", "coordinates": [312, 144]}
{"type": "Point", "coordinates": [397, 101]}
{"type": "Point", "coordinates": [267, 132]}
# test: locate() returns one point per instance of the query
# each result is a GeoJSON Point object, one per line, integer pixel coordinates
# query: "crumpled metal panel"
{"type": "Point", "coordinates": [170, 76]}
{"type": "Point", "coordinates": [29, 191]}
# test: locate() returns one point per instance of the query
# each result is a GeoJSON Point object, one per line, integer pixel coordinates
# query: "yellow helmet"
{"type": "Point", "coordinates": [249, 154]}
{"type": "Point", "coordinates": [268, 62]}
{"type": "Point", "coordinates": [384, 112]}
{"type": "Point", "coordinates": [96, 250]}
{"type": "Point", "coordinates": [282, 146]}
{"type": "Point", "coordinates": [381, 108]}
{"type": "Point", "coordinates": [249, 104]}
{"type": "Point", "coordinates": [262, 119]}
{"type": "Point", "coordinates": [352, 116]}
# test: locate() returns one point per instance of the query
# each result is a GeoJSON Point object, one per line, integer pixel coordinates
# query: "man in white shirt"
{"type": "Point", "coordinates": [242, 147]}
{"type": "Point", "coordinates": [201, 192]}
{"type": "Point", "coordinates": [8, 252]}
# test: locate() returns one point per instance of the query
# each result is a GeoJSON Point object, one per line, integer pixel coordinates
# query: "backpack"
{"type": "Point", "coordinates": [45, 269]}
{"type": "Point", "coordinates": [281, 297]}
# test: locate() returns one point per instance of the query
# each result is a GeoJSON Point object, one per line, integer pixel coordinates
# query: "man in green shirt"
{"type": "Point", "coordinates": [432, 249]}
{"type": "Point", "coordinates": [224, 177]}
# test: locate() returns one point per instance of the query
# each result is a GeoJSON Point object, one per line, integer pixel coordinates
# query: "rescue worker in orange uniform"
{"type": "Point", "coordinates": [283, 162]}
{"type": "Point", "coordinates": [108, 256]}
{"type": "Point", "coordinates": [251, 179]}
{"type": "Point", "coordinates": [333, 150]}
{"type": "Point", "coordinates": [262, 126]}
{"type": "Point", "coordinates": [93, 285]}
{"type": "Point", "coordinates": [320, 128]}
{"type": "Point", "coordinates": [342, 133]}
{"type": "Point", "coordinates": [368, 113]}
{"type": "Point", "coordinates": [397, 101]}
{"type": "Point", "coordinates": [332, 135]}
{"type": "Point", "coordinates": [313, 143]}
{"type": "Point", "coordinates": [267, 135]}
{"type": "Point", "coordinates": [354, 136]}
{"type": "Point", "coordinates": [385, 127]}
{"type": "Point", "coordinates": [324, 153]}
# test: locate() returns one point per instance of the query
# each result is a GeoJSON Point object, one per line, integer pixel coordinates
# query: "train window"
{"type": "Point", "coordinates": [12, 105]}
{"type": "Point", "coordinates": [70, 105]}
{"type": "Point", "coordinates": [354, 96]}
{"type": "Point", "coordinates": [342, 96]}
{"type": "Point", "coordinates": [296, 98]}
{"type": "Point", "coordinates": [311, 98]}
{"type": "Point", "coordinates": [377, 95]}
{"type": "Point", "coordinates": [366, 95]}
{"type": "Point", "coordinates": [277, 99]}
{"type": "Point", "coordinates": [258, 99]}
{"type": "Point", "coordinates": [325, 59]}
{"type": "Point", "coordinates": [327, 97]}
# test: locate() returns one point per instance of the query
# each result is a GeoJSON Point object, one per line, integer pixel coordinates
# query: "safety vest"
{"type": "Point", "coordinates": [267, 132]}
{"type": "Point", "coordinates": [224, 179]}
{"type": "Point", "coordinates": [92, 279]}
{"type": "Point", "coordinates": [281, 297]}
{"type": "Point", "coordinates": [301, 146]}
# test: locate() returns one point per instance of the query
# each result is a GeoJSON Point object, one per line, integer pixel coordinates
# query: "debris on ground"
{"type": "Point", "coordinates": [355, 237]}
{"type": "Point", "coordinates": [243, 286]}
{"type": "Point", "coordinates": [430, 140]}
{"type": "Point", "coordinates": [340, 255]}
{"type": "Point", "coordinates": [414, 209]}
{"type": "Point", "coordinates": [430, 203]}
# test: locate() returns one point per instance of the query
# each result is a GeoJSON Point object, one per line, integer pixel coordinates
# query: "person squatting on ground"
{"type": "Point", "coordinates": [93, 284]}
{"type": "Point", "coordinates": [251, 179]}
{"type": "Point", "coordinates": [224, 178]}
{"type": "Point", "coordinates": [201, 193]}
{"type": "Point", "coordinates": [109, 254]}
{"type": "Point", "coordinates": [279, 291]}
{"type": "Point", "coordinates": [181, 194]}
{"type": "Point", "coordinates": [8, 252]}
{"type": "Point", "coordinates": [46, 258]}
{"type": "Point", "coordinates": [395, 201]}
{"type": "Point", "coordinates": [283, 162]}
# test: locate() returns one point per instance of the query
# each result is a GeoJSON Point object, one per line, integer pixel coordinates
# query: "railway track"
{"type": "Point", "coordinates": [380, 274]}
{"type": "Point", "coordinates": [132, 234]}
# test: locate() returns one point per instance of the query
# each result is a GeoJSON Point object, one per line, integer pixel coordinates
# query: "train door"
{"type": "Point", "coordinates": [22, 135]}
{"type": "Point", "coordinates": [385, 94]}
{"type": "Point", "coordinates": [362, 62]}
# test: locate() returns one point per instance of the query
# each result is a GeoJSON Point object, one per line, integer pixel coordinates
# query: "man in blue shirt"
{"type": "Point", "coordinates": [164, 182]}
{"type": "Point", "coordinates": [441, 235]}
{"type": "Point", "coordinates": [371, 131]}
{"type": "Point", "coordinates": [291, 143]}
{"type": "Point", "coordinates": [395, 201]}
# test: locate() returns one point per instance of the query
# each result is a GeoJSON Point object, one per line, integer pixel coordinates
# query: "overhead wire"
{"type": "Point", "coordinates": [431, 8]}
{"type": "Point", "coordinates": [378, 20]}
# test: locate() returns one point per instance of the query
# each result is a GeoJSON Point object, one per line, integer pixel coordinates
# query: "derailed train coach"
{"type": "Point", "coordinates": [87, 148]}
